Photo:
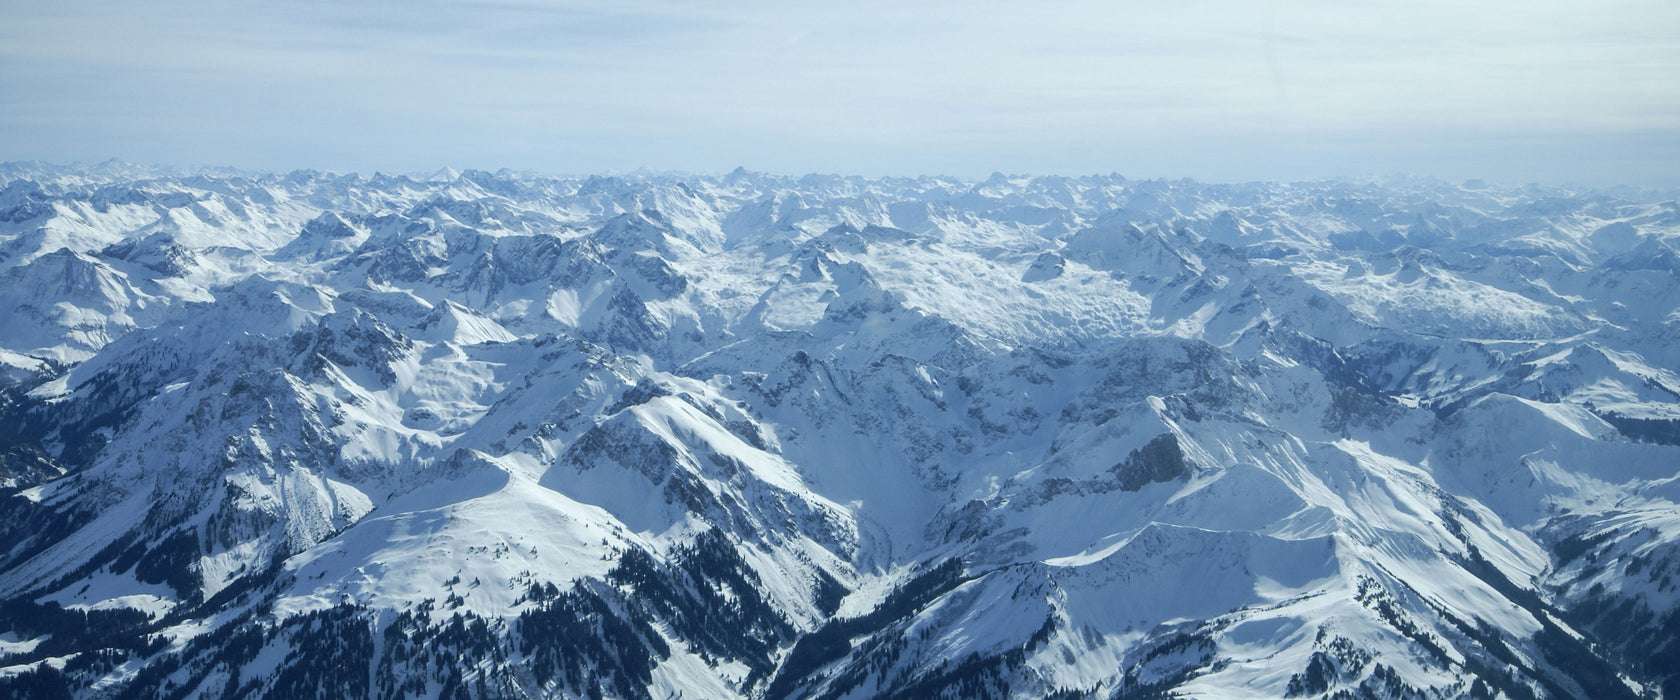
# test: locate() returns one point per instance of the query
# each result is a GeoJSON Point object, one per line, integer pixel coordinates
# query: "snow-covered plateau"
{"type": "Point", "coordinates": [495, 435]}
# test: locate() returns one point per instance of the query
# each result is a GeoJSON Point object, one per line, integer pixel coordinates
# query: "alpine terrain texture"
{"type": "Point", "coordinates": [489, 435]}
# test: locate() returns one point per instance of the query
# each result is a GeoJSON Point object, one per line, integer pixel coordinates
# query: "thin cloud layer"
{"type": "Point", "coordinates": [1216, 90]}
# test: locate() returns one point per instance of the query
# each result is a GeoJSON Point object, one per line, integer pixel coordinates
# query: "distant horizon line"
{"type": "Point", "coordinates": [108, 165]}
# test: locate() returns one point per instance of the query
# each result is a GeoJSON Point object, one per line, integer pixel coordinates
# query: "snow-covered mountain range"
{"type": "Point", "coordinates": [493, 435]}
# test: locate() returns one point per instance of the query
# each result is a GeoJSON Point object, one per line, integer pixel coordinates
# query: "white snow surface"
{"type": "Point", "coordinates": [1196, 435]}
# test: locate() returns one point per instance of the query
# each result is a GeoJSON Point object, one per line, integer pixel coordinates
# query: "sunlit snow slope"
{"type": "Point", "coordinates": [491, 435]}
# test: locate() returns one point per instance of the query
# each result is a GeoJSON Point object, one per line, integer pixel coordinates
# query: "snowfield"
{"type": "Point", "coordinates": [496, 435]}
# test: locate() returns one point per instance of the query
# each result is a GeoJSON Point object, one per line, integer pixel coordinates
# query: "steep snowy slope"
{"type": "Point", "coordinates": [495, 435]}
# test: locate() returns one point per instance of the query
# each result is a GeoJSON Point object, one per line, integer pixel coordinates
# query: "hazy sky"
{"type": "Point", "coordinates": [1513, 91]}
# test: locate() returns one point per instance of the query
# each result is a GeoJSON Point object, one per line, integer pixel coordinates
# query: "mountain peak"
{"type": "Point", "coordinates": [492, 434]}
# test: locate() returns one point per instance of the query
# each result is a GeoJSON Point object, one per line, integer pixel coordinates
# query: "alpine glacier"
{"type": "Point", "coordinates": [496, 435]}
